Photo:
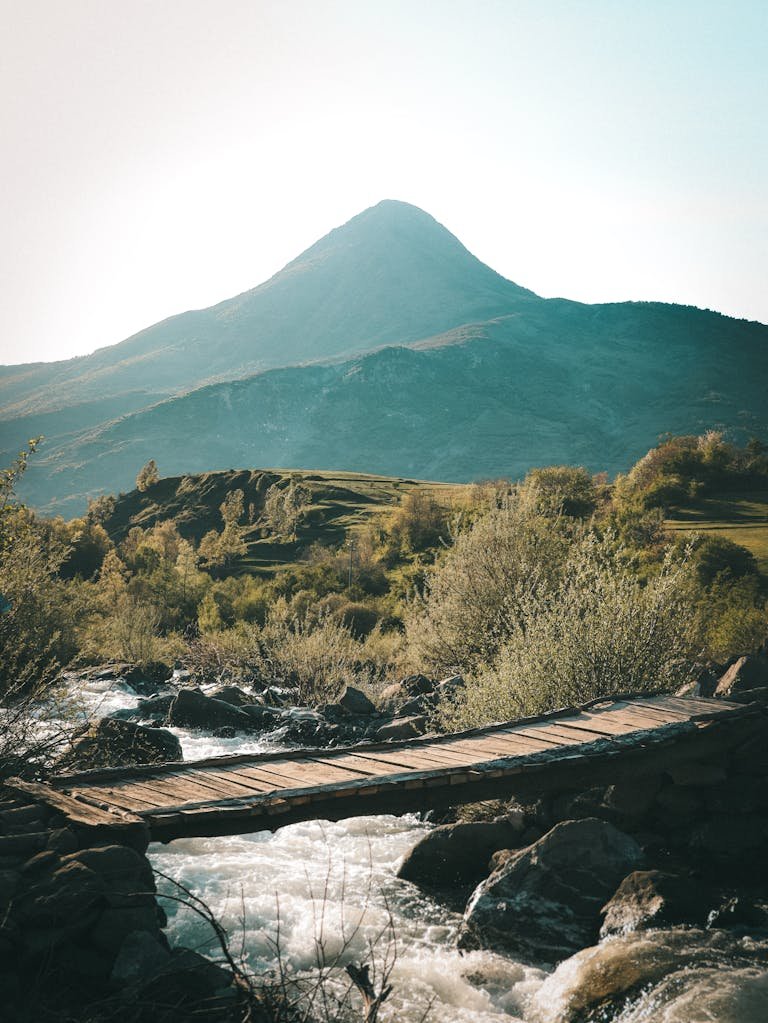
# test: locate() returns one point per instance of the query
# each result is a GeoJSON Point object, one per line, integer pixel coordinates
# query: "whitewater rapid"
{"type": "Point", "coordinates": [309, 884]}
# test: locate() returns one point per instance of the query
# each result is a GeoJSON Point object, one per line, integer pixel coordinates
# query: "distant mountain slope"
{"type": "Point", "coordinates": [555, 381]}
{"type": "Point", "coordinates": [390, 275]}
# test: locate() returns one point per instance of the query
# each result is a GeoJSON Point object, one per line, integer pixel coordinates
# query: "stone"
{"type": "Point", "coordinates": [115, 923]}
{"type": "Point", "coordinates": [64, 897]}
{"type": "Point", "coordinates": [233, 695]}
{"type": "Point", "coordinates": [451, 684]}
{"type": "Point", "coordinates": [417, 685]}
{"type": "Point", "coordinates": [697, 774]}
{"type": "Point", "coordinates": [145, 678]}
{"type": "Point", "coordinates": [653, 898]}
{"type": "Point", "coordinates": [356, 702]}
{"type": "Point", "coordinates": [392, 696]}
{"type": "Point", "coordinates": [749, 672]}
{"type": "Point", "coordinates": [63, 841]}
{"type": "Point", "coordinates": [544, 902]}
{"type": "Point", "coordinates": [140, 958]}
{"type": "Point", "coordinates": [632, 799]}
{"type": "Point", "coordinates": [40, 861]}
{"type": "Point", "coordinates": [113, 743]}
{"type": "Point", "coordinates": [187, 978]}
{"type": "Point", "coordinates": [457, 854]}
{"type": "Point", "coordinates": [703, 684]}
{"type": "Point", "coordinates": [193, 709]}
{"type": "Point", "coordinates": [262, 717]}
{"type": "Point", "coordinates": [117, 865]}
{"type": "Point", "coordinates": [402, 728]}
{"type": "Point", "coordinates": [596, 983]}
{"type": "Point", "coordinates": [9, 883]}
{"type": "Point", "coordinates": [729, 837]}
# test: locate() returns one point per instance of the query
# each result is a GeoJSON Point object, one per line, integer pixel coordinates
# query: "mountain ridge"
{"type": "Point", "coordinates": [387, 347]}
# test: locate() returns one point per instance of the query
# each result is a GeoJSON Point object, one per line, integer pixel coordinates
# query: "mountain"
{"type": "Point", "coordinates": [389, 276]}
{"type": "Point", "coordinates": [388, 348]}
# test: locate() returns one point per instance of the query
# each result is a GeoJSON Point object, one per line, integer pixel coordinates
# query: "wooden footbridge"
{"type": "Point", "coordinates": [569, 749]}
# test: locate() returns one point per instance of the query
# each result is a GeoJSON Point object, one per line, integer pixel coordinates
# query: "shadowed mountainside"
{"type": "Point", "coordinates": [386, 347]}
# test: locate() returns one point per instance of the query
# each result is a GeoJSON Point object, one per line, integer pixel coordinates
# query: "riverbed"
{"type": "Point", "coordinates": [322, 890]}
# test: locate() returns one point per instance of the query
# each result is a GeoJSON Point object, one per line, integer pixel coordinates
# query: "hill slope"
{"type": "Point", "coordinates": [390, 275]}
{"type": "Point", "coordinates": [568, 383]}
{"type": "Point", "coordinates": [385, 347]}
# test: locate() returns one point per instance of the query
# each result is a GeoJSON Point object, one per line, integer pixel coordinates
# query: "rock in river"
{"type": "Point", "coordinates": [543, 903]}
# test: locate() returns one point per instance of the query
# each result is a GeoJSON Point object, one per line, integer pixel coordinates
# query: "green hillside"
{"type": "Point", "coordinates": [742, 518]}
{"type": "Point", "coordinates": [339, 503]}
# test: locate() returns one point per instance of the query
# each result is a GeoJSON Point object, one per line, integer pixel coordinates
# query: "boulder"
{"type": "Point", "coordinates": [677, 975]}
{"type": "Point", "coordinates": [193, 709]}
{"type": "Point", "coordinates": [140, 958]}
{"type": "Point", "coordinates": [147, 678]}
{"type": "Point", "coordinates": [356, 702]}
{"type": "Point", "coordinates": [653, 898]}
{"type": "Point", "coordinates": [153, 708]}
{"type": "Point", "coordinates": [749, 672]}
{"type": "Point", "coordinates": [402, 728]}
{"type": "Point", "coordinates": [544, 902]}
{"type": "Point", "coordinates": [448, 688]}
{"type": "Point", "coordinates": [115, 743]}
{"type": "Point", "coordinates": [188, 979]}
{"type": "Point", "coordinates": [262, 718]}
{"type": "Point", "coordinates": [393, 696]}
{"type": "Point", "coordinates": [704, 683]}
{"type": "Point", "coordinates": [458, 854]}
{"type": "Point", "coordinates": [234, 695]}
{"type": "Point", "coordinates": [417, 685]}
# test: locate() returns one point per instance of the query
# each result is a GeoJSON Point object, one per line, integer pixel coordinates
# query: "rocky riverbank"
{"type": "Point", "coordinates": [655, 876]}
{"type": "Point", "coordinates": [650, 884]}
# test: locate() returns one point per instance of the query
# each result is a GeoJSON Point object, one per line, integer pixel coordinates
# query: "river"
{"type": "Point", "coordinates": [311, 883]}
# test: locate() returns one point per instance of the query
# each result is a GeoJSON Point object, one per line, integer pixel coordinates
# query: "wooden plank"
{"type": "Point", "coordinates": [574, 735]}
{"type": "Point", "coordinates": [604, 722]}
{"type": "Point", "coordinates": [76, 810]}
{"type": "Point", "coordinates": [293, 774]}
{"type": "Point", "coordinates": [174, 788]}
{"type": "Point", "coordinates": [589, 728]}
{"type": "Point", "coordinates": [227, 780]}
{"type": "Point", "coordinates": [685, 707]}
{"type": "Point", "coordinates": [115, 798]}
{"type": "Point", "coordinates": [507, 746]}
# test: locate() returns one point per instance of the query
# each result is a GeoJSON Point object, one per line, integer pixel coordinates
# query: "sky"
{"type": "Point", "coordinates": [162, 155]}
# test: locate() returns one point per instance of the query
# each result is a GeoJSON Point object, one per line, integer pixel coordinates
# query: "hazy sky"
{"type": "Point", "coordinates": [160, 155]}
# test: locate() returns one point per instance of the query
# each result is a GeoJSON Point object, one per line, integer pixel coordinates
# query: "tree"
{"type": "Point", "coordinates": [148, 476]}
{"type": "Point", "coordinates": [285, 506]}
{"type": "Point", "coordinates": [37, 618]}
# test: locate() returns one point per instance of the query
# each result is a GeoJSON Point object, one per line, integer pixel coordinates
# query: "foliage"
{"type": "Point", "coordinates": [37, 622]}
{"type": "Point", "coordinates": [285, 506]}
{"type": "Point", "coordinates": [600, 630]}
{"type": "Point", "coordinates": [317, 657]}
{"type": "Point", "coordinates": [474, 596]}
{"type": "Point", "coordinates": [563, 490]}
{"type": "Point", "coordinates": [148, 476]}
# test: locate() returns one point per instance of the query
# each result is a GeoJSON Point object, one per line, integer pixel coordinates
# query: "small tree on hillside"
{"type": "Point", "coordinates": [147, 476]}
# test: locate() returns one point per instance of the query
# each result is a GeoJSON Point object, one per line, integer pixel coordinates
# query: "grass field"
{"type": "Point", "coordinates": [742, 518]}
{"type": "Point", "coordinates": [341, 501]}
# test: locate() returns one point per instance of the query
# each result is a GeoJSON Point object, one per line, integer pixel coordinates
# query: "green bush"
{"type": "Point", "coordinates": [599, 631]}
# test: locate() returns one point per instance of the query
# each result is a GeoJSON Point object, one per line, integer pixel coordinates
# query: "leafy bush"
{"type": "Point", "coordinates": [599, 631]}
{"type": "Point", "coordinates": [474, 596]}
{"type": "Point", "coordinates": [317, 656]}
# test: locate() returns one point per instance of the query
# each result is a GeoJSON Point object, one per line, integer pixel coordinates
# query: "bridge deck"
{"type": "Point", "coordinates": [252, 792]}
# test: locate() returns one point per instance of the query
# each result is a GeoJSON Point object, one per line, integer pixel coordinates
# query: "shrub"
{"type": "Point", "coordinates": [600, 631]}
{"type": "Point", "coordinates": [474, 595]}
